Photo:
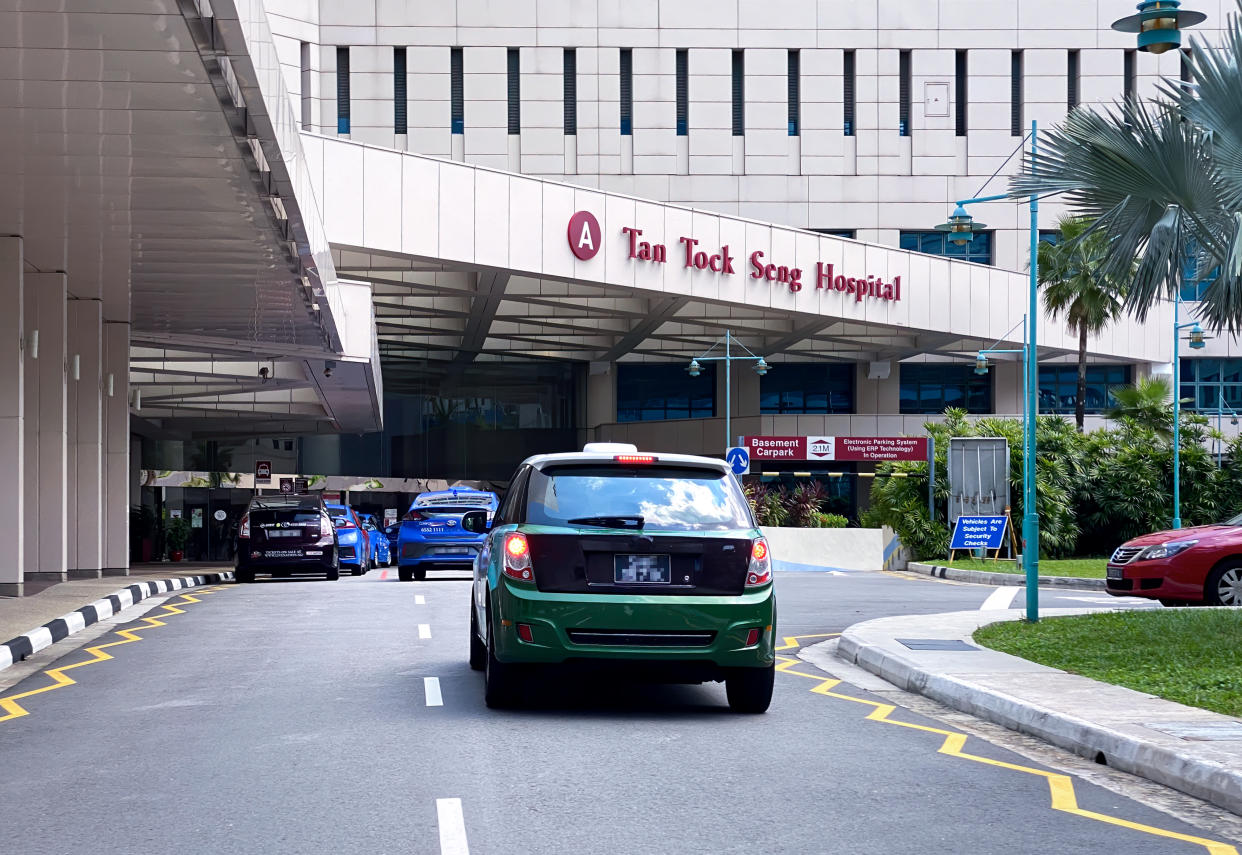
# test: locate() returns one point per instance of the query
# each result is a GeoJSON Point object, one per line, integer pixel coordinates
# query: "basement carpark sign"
{"type": "Point", "coordinates": [873, 449]}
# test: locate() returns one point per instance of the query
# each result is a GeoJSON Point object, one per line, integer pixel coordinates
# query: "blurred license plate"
{"type": "Point", "coordinates": [1116, 573]}
{"type": "Point", "coordinates": [284, 553]}
{"type": "Point", "coordinates": [454, 550]}
{"type": "Point", "coordinates": [284, 532]}
{"type": "Point", "coordinates": [642, 569]}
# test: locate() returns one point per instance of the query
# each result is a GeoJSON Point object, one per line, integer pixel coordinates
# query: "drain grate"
{"type": "Point", "coordinates": [936, 644]}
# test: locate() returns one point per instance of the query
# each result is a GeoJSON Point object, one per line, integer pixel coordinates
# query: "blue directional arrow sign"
{"type": "Point", "coordinates": [738, 458]}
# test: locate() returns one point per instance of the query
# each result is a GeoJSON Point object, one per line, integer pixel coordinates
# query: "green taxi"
{"type": "Point", "coordinates": [610, 559]}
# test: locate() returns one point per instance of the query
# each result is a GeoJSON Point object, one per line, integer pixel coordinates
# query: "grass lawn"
{"type": "Point", "coordinates": [1082, 568]}
{"type": "Point", "coordinates": [1192, 656]}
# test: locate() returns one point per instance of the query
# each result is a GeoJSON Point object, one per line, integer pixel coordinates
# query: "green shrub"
{"type": "Point", "coordinates": [822, 520]}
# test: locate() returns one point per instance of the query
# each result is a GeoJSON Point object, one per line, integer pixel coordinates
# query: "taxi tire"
{"type": "Point", "coordinates": [478, 650]}
{"type": "Point", "coordinates": [333, 574]}
{"type": "Point", "coordinates": [500, 679]}
{"type": "Point", "coordinates": [750, 689]}
{"type": "Point", "coordinates": [420, 573]}
{"type": "Point", "coordinates": [243, 576]}
{"type": "Point", "coordinates": [405, 574]}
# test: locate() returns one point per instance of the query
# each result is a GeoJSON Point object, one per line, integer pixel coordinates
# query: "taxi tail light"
{"type": "Point", "coordinates": [346, 523]}
{"type": "Point", "coordinates": [517, 558]}
{"type": "Point", "coordinates": [760, 570]}
{"type": "Point", "coordinates": [244, 531]}
{"type": "Point", "coordinates": [325, 526]}
{"type": "Point", "coordinates": [752, 636]}
{"type": "Point", "coordinates": [524, 633]}
{"type": "Point", "coordinates": [635, 458]}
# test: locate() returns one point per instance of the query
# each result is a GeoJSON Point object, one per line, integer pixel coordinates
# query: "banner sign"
{"type": "Point", "coordinates": [875, 449]}
{"type": "Point", "coordinates": [979, 532]}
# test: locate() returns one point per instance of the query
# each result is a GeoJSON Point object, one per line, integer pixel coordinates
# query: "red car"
{"type": "Point", "coordinates": [1190, 565]}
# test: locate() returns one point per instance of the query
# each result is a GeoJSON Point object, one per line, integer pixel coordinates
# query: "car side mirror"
{"type": "Point", "coordinates": [475, 522]}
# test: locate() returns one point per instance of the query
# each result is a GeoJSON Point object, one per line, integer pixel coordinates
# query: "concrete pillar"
{"type": "Point", "coordinates": [85, 352]}
{"type": "Point", "coordinates": [12, 411]}
{"type": "Point", "coordinates": [46, 427]}
{"type": "Point", "coordinates": [601, 396]}
{"type": "Point", "coordinates": [116, 473]}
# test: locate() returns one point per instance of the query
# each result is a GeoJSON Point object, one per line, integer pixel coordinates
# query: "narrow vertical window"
{"type": "Point", "coordinates": [1015, 93]}
{"type": "Point", "coordinates": [1071, 79]}
{"type": "Point", "coordinates": [627, 92]}
{"type": "Point", "coordinates": [1185, 68]}
{"type": "Point", "coordinates": [847, 75]}
{"type": "Point", "coordinates": [399, 91]}
{"type": "Point", "coordinates": [457, 92]}
{"type": "Point", "coordinates": [571, 91]}
{"type": "Point", "coordinates": [1128, 73]}
{"type": "Point", "coordinates": [307, 101]}
{"type": "Point", "coordinates": [961, 101]}
{"type": "Point", "coordinates": [515, 91]}
{"type": "Point", "coordinates": [342, 90]}
{"type": "Point", "coordinates": [795, 93]}
{"type": "Point", "coordinates": [683, 93]}
{"type": "Point", "coordinates": [739, 94]}
{"type": "Point", "coordinates": [904, 84]}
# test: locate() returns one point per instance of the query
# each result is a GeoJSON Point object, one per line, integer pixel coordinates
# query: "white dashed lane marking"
{"type": "Point", "coordinates": [424, 630]}
{"type": "Point", "coordinates": [452, 827]}
{"type": "Point", "coordinates": [431, 688]}
{"type": "Point", "coordinates": [1001, 598]}
{"type": "Point", "coordinates": [420, 600]}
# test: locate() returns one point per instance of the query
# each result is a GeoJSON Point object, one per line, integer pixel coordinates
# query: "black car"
{"type": "Point", "coordinates": [284, 535]}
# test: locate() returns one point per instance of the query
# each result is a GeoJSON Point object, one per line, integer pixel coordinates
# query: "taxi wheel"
{"type": "Point", "coordinates": [420, 574]}
{"type": "Point", "coordinates": [243, 576]}
{"type": "Point", "coordinates": [1224, 586]}
{"type": "Point", "coordinates": [500, 679]}
{"type": "Point", "coordinates": [360, 570]}
{"type": "Point", "coordinates": [478, 650]}
{"type": "Point", "coordinates": [405, 574]}
{"type": "Point", "coordinates": [333, 573]}
{"type": "Point", "coordinates": [750, 689]}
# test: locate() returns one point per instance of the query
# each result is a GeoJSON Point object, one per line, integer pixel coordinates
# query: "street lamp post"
{"type": "Point", "coordinates": [761, 368]}
{"type": "Point", "coordinates": [1196, 339]}
{"type": "Point", "coordinates": [1158, 24]}
{"type": "Point", "coordinates": [960, 228]}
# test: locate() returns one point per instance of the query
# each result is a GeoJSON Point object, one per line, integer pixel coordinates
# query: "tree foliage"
{"type": "Point", "coordinates": [1094, 491]}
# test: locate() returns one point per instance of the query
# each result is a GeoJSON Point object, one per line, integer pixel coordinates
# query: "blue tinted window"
{"type": "Point", "coordinates": [1192, 285]}
{"type": "Point", "coordinates": [1212, 385]}
{"type": "Point", "coordinates": [664, 391]}
{"type": "Point", "coordinates": [978, 249]}
{"type": "Point", "coordinates": [932, 387]}
{"type": "Point", "coordinates": [1058, 387]}
{"type": "Point", "coordinates": [807, 388]}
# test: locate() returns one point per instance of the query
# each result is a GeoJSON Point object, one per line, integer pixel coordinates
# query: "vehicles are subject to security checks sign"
{"type": "Point", "coordinates": [982, 532]}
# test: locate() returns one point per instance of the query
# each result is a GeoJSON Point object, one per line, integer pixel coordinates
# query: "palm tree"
{"type": "Point", "coordinates": [1076, 284]}
{"type": "Point", "coordinates": [1147, 404]}
{"type": "Point", "coordinates": [1162, 181]}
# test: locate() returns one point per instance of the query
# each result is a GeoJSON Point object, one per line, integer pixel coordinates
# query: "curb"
{"type": "Point", "coordinates": [1203, 779]}
{"type": "Point", "coordinates": [979, 577]}
{"type": "Point", "coordinates": [17, 649]}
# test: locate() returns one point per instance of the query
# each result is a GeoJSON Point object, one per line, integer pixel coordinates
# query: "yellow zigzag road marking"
{"type": "Point", "coordinates": [10, 704]}
{"type": "Point", "coordinates": [1061, 787]}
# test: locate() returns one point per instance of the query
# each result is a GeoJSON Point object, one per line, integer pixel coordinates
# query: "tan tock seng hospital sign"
{"type": "Point", "coordinates": [585, 237]}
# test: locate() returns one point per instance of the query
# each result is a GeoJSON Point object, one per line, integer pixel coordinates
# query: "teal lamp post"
{"type": "Point", "coordinates": [1159, 24]}
{"type": "Point", "coordinates": [960, 228]}
{"type": "Point", "coordinates": [1196, 339]}
{"type": "Point", "coordinates": [695, 368]}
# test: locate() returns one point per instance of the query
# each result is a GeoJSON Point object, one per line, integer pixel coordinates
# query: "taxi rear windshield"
{"type": "Point", "coordinates": [440, 512]}
{"type": "Point", "coordinates": [663, 498]}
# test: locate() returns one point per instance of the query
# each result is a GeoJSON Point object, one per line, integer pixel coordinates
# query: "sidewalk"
{"type": "Point", "coordinates": [20, 615]}
{"type": "Point", "coordinates": [1188, 749]}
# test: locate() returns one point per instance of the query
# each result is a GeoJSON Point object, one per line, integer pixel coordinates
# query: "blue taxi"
{"type": "Point", "coordinates": [431, 535]}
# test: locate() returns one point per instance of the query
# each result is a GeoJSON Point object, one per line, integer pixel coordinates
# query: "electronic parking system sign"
{"type": "Point", "coordinates": [979, 532]}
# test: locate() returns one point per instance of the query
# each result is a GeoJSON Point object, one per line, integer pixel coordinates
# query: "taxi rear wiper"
{"type": "Point", "coordinates": [611, 521]}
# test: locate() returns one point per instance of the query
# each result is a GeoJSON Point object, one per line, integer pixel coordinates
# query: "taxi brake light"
{"type": "Point", "coordinates": [760, 570]}
{"type": "Point", "coordinates": [244, 531]}
{"type": "Point", "coordinates": [524, 633]}
{"type": "Point", "coordinates": [635, 458]}
{"type": "Point", "coordinates": [517, 564]}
